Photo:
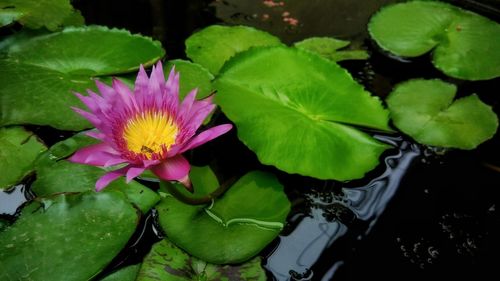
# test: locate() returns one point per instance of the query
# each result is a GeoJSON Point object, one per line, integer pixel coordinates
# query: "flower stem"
{"type": "Point", "coordinates": [200, 200]}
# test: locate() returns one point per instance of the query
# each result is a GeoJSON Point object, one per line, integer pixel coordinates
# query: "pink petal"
{"type": "Point", "coordinates": [174, 168]}
{"type": "Point", "coordinates": [109, 177]}
{"type": "Point", "coordinates": [96, 155]}
{"type": "Point", "coordinates": [87, 115]}
{"type": "Point", "coordinates": [134, 172]}
{"type": "Point", "coordinates": [187, 103]}
{"type": "Point", "coordinates": [124, 93]}
{"type": "Point", "coordinates": [88, 101]}
{"type": "Point", "coordinates": [206, 136]}
{"type": "Point", "coordinates": [106, 91]}
{"type": "Point", "coordinates": [96, 135]}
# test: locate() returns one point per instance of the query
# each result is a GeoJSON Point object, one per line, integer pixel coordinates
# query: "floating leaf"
{"type": "Point", "coordinates": [66, 237]}
{"type": "Point", "coordinates": [3, 224]}
{"type": "Point", "coordinates": [425, 110]}
{"type": "Point", "coordinates": [192, 76]}
{"type": "Point", "coordinates": [128, 273]}
{"type": "Point", "coordinates": [38, 76]}
{"type": "Point", "coordinates": [214, 45]}
{"type": "Point", "coordinates": [18, 151]}
{"type": "Point", "coordinates": [465, 44]}
{"type": "Point", "coordinates": [56, 176]}
{"type": "Point", "coordinates": [236, 227]}
{"type": "Point", "coordinates": [297, 111]}
{"type": "Point", "coordinates": [328, 48]}
{"type": "Point", "coordinates": [167, 262]}
{"type": "Point", "coordinates": [52, 14]}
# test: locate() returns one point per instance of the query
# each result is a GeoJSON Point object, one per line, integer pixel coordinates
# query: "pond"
{"type": "Point", "coordinates": [424, 212]}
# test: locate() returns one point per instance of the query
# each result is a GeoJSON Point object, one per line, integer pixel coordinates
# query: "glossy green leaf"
{"type": "Point", "coordinates": [328, 48]}
{"type": "Point", "coordinates": [38, 76]}
{"type": "Point", "coordinates": [298, 112]}
{"type": "Point", "coordinates": [192, 76]}
{"type": "Point", "coordinates": [236, 227]}
{"type": "Point", "coordinates": [425, 110]}
{"type": "Point", "coordinates": [166, 262]}
{"type": "Point", "coordinates": [214, 45]}
{"type": "Point", "coordinates": [56, 176]}
{"type": "Point", "coordinates": [18, 151]}
{"type": "Point", "coordinates": [66, 237]}
{"type": "Point", "coordinates": [51, 14]}
{"type": "Point", "coordinates": [3, 224]}
{"type": "Point", "coordinates": [128, 273]}
{"type": "Point", "coordinates": [465, 44]}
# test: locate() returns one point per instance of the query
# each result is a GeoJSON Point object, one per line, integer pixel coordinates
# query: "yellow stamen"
{"type": "Point", "coordinates": [149, 132]}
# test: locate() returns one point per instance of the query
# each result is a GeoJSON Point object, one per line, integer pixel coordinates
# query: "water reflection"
{"type": "Point", "coordinates": [11, 199]}
{"type": "Point", "coordinates": [329, 220]}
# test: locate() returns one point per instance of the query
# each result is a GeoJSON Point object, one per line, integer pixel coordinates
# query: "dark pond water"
{"type": "Point", "coordinates": [423, 213]}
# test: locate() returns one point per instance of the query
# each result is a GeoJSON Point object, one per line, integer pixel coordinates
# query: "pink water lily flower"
{"type": "Point", "coordinates": [148, 128]}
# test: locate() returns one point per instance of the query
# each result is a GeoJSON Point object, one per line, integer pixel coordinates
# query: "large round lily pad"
{"type": "Point", "coordinates": [18, 151]}
{"type": "Point", "coordinates": [465, 44]}
{"type": "Point", "coordinates": [299, 112]}
{"type": "Point", "coordinates": [426, 111]}
{"type": "Point", "coordinates": [214, 45]}
{"type": "Point", "coordinates": [235, 227]}
{"type": "Point", "coordinates": [38, 76]}
{"type": "Point", "coordinates": [66, 237]}
{"type": "Point", "coordinates": [52, 14]}
{"type": "Point", "coordinates": [166, 262]}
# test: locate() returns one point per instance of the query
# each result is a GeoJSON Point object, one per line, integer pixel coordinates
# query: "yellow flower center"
{"type": "Point", "coordinates": [149, 133]}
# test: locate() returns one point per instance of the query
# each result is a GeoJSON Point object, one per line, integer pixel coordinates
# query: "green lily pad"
{"type": "Point", "coordinates": [167, 262]}
{"type": "Point", "coordinates": [214, 45]}
{"type": "Point", "coordinates": [3, 224]}
{"type": "Point", "coordinates": [18, 151]}
{"type": "Point", "coordinates": [38, 76]}
{"type": "Point", "coordinates": [51, 14]}
{"type": "Point", "coordinates": [57, 176]}
{"type": "Point", "coordinates": [328, 48]}
{"type": "Point", "coordinates": [128, 273]}
{"type": "Point", "coordinates": [465, 44]}
{"type": "Point", "coordinates": [425, 110]}
{"type": "Point", "coordinates": [66, 237]}
{"type": "Point", "coordinates": [233, 229]}
{"type": "Point", "coordinates": [298, 112]}
{"type": "Point", "coordinates": [192, 76]}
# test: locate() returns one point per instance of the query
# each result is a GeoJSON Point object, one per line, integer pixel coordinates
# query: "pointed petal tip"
{"type": "Point", "coordinates": [186, 182]}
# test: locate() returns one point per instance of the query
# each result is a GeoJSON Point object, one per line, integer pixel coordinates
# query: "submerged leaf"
{"type": "Point", "coordinates": [465, 44]}
{"type": "Point", "coordinates": [18, 151]}
{"type": "Point", "coordinates": [51, 14]}
{"type": "Point", "coordinates": [167, 262]}
{"type": "Point", "coordinates": [235, 227]}
{"type": "Point", "coordinates": [299, 112]}
{"type": "Point", "coordinates": [328, 48]}
{"type": "Point", "coordinates": [66, 237]}
{"type": "Point", "coordinates": [214, 45]}
{"type": "Point", "coordinates": [425, 110]}
{"type": "Point", "coordinates": [38, 76]}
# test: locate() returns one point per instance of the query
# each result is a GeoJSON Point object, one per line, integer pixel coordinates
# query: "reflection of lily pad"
{"type": "Point", "coordinates": [128, 273]}
{"type": "Point", "coordinates": [425, 110]}
{"type": "Point", "coordinates": [37, 76]}
{"type": "Point", "coordinates": [18, 151]}
{"type": "Point", "coordinates": [236, 227]}
{"type": "Point", "coordinates": [52, 14]}
{"type": "Point", "coordinates": [214, 45]}
{"type": "Point", "coordinates": [66, 237]}
{"type": "Point", "coordinates": [298, 112]}
{"type": "Point", "coordinates": [166, 262]}
{"type": "Point", "coordinates": [192, 76]}
{"type": "Point", "coordinates": [465, 44]}
{"type": "Point", "coordinates": [331, 48]}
